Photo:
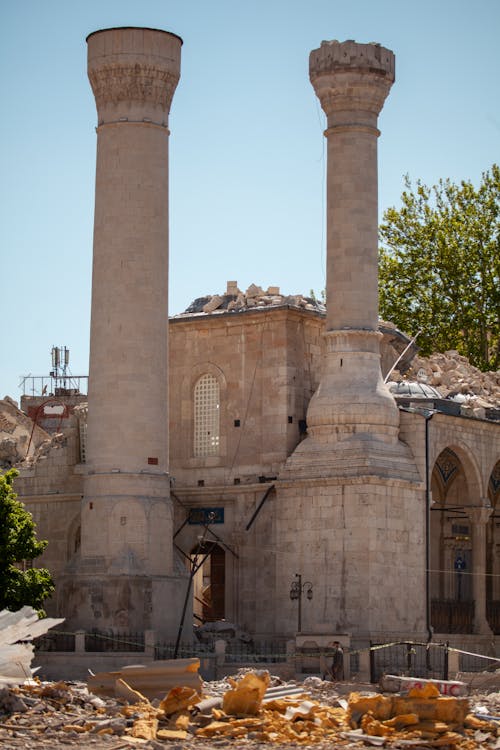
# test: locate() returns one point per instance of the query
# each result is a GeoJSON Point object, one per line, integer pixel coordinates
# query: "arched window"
{"type": "Point", "coordinates": [206, 416]}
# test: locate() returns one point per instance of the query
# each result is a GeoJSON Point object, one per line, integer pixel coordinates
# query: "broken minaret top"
{"type": "Point", "coordinates": [350, 77]}
{"type": "Point", "coordinates": [351, 54]}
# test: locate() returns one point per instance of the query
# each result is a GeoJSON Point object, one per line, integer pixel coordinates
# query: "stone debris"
{"type": "Point", "coordinates": [58, 440]}
{"type": "Point", "coordinates": [234, 300]}
{"type": "Point", "coordinates": [20, 438]}
{"type": "Point", "coordinates": [151, 681]}
{"type": "Point", "coordinates": [57, 714]}
{"type": "Point", "coordinates": [394, 683]}
{"type": "Point", "coordinates": [455, 378]}
{"type": "Point", "coordinates": [17, 630]}
{"type": "Point", "coordinates": [22, 442]}
{"type": "Point", "coordinates": [210, 632]}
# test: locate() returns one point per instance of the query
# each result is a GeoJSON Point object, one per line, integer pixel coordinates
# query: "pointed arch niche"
{"type": "Point", "coordinates": [452, 609]}
{"type": "Point", "coordinates": [493, 552]}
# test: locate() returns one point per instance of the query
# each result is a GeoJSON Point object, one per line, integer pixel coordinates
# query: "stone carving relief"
{"type": "Point", "coordinates": [137, 83]}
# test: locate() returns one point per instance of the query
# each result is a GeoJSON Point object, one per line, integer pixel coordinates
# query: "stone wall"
{"type": "Point", "coordinates": [266, 363]}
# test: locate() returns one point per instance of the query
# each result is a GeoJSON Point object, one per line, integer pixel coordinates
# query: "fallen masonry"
{"type": "Point", "coordinates": [17, 630]}
{"type": "Point", "coordinates": [250, 709]}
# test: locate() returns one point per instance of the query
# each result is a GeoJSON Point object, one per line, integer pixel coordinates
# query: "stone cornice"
{"type": "Point", "coordinates": [230, 317]}
{"type": "Point", "coordinates": [365, 479]}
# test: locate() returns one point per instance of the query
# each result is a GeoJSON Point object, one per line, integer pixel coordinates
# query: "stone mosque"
{"type": "Point", "coordinates": [252, 447]}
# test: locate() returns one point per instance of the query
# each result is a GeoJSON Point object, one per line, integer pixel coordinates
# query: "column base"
{"type": "Point", "coordinates": [482, 628]}
{"type": "Point", "coordinates": [358, 455]}
{"type": "Point", "coordinates": [125, 603]}
{"type": "Point", "coordinates": [352, 397]}
{"type": "Point", "coordinates": [358, 541]}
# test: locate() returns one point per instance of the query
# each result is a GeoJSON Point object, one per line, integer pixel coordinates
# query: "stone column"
{"type": "Point", "coordinates": [352, 81]}
{"type": "Point", "coordinates": [133, 73]}
{"type": "Point", "coordinates": [126, 511]}
{"type": "Point", "coordinates": [479, 518]}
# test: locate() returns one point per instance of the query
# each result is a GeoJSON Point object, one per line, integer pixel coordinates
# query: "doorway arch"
{"type": "Point", "coordinates": [493, 552]}
{"type": "Point", "coordinates": [452, 609]}
{"type": "Point", "coordinates": [208, 560]}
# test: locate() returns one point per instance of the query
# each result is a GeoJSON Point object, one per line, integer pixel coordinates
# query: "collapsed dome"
{"type": "Point", "coordinates": [414, 390]}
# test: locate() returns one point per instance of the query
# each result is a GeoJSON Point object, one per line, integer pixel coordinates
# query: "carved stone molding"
{"type": "Point", "coordinates": [133, 83]}
{"type": "Point", "coordinates": [133, 73]}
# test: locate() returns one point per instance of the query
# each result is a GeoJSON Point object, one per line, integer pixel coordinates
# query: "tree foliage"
{"type": "Point", "coordinates": [19, 545]}
{"type": "Point", "coordinates": [440, 267]}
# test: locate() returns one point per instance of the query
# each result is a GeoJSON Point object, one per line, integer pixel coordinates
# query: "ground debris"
{"type": "Point", "coordinates": [17, 630]}
{"type": "Point", "coordinates": [152, 681]}
{"type": "Point", "coordinates": [58, 714]}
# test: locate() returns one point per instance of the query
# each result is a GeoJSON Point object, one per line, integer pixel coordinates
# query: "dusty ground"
{"type": "Point", "coordinates": [62, 715]}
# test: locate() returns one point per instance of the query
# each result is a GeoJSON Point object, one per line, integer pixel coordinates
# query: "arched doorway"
{"type": "Point", "coordinates": [493, 552]}
{"type": "Point", "coordinates": [452, 604]}
{"type": "Point", "coordinates": [209, 582]}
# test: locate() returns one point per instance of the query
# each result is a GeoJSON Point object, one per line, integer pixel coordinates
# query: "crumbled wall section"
{"type": "Point", "coordinates": [455, 378]}
{"type": "Point", "coordinates": [234, 300]}
{"type": "Point", "coordinates": [20, 438]}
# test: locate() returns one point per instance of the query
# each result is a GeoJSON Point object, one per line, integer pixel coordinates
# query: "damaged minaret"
{"type": "Point", "coordinates": [125, 578]}
{"type": "Point", "coordinates": [352, 403]}
{"type": "Point", "coordinates": [352, 419]}
{"type": "Point", "coordinates": [351, 485]}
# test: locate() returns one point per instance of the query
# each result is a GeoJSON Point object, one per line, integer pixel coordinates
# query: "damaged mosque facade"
{"type": "Point", "coordinates": [281, 462]}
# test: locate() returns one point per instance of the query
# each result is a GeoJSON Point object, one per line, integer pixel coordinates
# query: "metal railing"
{"type": "Point", "coordinates": [184, 650]}
{"type": "Point", "coordinates": [54, 385]}
{"type": "Point", "coordinates": [55, 641]}
{"type": "Point", "coordinates": [493, 616]}
{"type": "Point", "coordinates": [256, 652]}
{"type": "Point", "coordinates": [107, 641]}
{"type": "Point", "coordinates": [409, 659]}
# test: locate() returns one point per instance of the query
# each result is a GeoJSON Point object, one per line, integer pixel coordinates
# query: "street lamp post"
{"type": "Point", "coordinates": [296, 590]}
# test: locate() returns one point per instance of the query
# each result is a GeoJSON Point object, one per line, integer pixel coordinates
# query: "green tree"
{"type": "Point", "coordinates": [440, 267]}
{"type": "Point", "coordinates": [18, 546]}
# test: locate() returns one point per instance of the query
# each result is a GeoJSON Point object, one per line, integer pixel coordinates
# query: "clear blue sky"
{"type": "Point", "coordinates": [247, 154]}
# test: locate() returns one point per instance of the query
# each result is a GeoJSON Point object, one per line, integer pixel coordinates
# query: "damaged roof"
{"type": "Point", "coordinates": [234, 300]}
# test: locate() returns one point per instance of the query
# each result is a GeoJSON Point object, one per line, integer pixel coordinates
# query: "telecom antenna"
{"type": "Point", "coordinates": [60, 361]}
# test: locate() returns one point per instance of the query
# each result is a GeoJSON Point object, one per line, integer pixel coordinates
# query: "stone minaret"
{"type": "Point", "coordinates": [350, 508]}
{"type": "Point", "coordinates": [352, 81]}
{"type": "Point", "coordinates": [126, 576]}
{"type": "Point", "coordinates": [352, 411]}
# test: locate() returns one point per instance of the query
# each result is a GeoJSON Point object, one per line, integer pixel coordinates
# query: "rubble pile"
{"type": "Point", "coordinates": [454, 377]}
{"type": "Point", "coordinates": [17, 631]}
{"type": "Point", "coordinates": [57, 440]}
{"type": "Point", "coordinates": [19, 437]}
{"type": "Point", "coordinates": [234, 300]}
{"type": "Point", "coordinates": [252, 708]}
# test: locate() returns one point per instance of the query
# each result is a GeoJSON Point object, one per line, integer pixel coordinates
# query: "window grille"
{"type": "Point", "coordinates": [206, 416]}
